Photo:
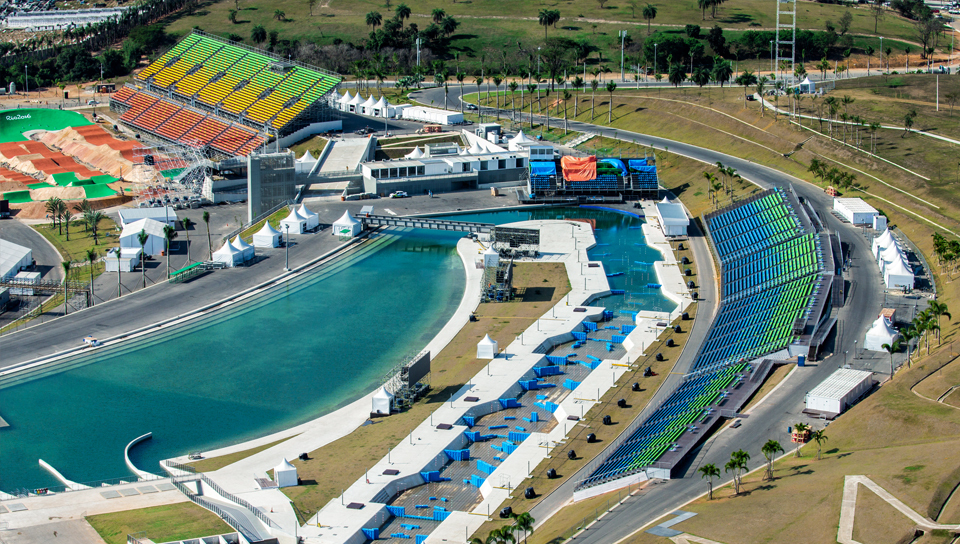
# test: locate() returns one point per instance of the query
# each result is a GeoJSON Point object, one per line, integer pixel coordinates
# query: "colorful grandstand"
{"type": "Point", "coordinates": [211, 93]}
{"type": "Point", "coordinates": [771, 266]}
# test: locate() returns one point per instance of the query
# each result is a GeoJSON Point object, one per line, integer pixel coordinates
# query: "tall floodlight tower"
{"type": "Point", "coordinates": [786, 39]}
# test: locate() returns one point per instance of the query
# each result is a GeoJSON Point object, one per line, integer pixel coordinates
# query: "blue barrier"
{"type": "Point", "coordinates": [516, 436]}
{"type": "Point", "coordinates": [653, 286]}
{"type": "Point", "coordinates": [458, 455]}
{"type": "Point", "coordinates": [541, 397]}
{"type": "Point", "coordinates": [589, 326]}
{"type": "Point", "coordinates": [372, 534]}
{"type": "Point", "coordinates": [492, 427]}
{"type": "Point", "coordinates": [397, 511]}
{"type": "Point", "coordinates": [485, 467]}
{"type": "Point", "coordinates": [553, 370]}
{"type": "Point", "coordinates": [627, 329]}
{"type": "Point", "coordinates": [399, 535]}
{"type": "Point", "coordinates": [409, 526]}
{"type": "Point", "coordinates": [570, 384]}
{"type": "Point", "coordinates": [510, 403]}
{"type": "Point", "coordinates": [579, 335]}
{"type": "Point", "coordinates": [420, 539]}
{"type": "Point", "coordinates": [617, 292]}
{"type": "Point", "coordinates": [557, 360]}
{"type": "Point", "coordinates": [432, 476]}
{"type": "Point", "coordinates": [615, 274]}
{"type": "Point", "coordinates": [509, 418]}
{"type": "Point", "coordinates": [617, 338]}
{"type": "Point", "coordinates": [469, 421]}
{"type": "Point", "coordinates": [609, 346]}
{"type": "Point", "coordinates": [519, 428]}
{"type": "Point", "coordinates": [476, 481]}
{"type": "Point", "coordinates": [592, 358]}
{"type": "Point", "coordinates": [548, 406]}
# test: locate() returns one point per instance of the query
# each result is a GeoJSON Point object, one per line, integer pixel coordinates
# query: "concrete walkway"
{"type": "Point", "coordinates": [849, 506]}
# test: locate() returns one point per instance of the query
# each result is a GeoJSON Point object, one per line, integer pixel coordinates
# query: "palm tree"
{"type": "Point", "coordinates": [374, 19]}
{"type": "Point", "coordinates": [761, 84]}
{"type": "Point", "coordinates": [649, 13]}
{"type": "Point", "coordinates": [92, 258]}
{"type": "Point", "coordinates": [437, 15]}
{"type": "Point", "coordinates": [403, 13]}
{"type": "Point", "coordinates": [187, 223]}
{"type": "Point", "coordinates": [676, 74]}
{"type": "Point", "coordinates": [83, 207]}
{"type": "Point", "coordinates": [142, 237]}
{"type": "Point", "coordinates": [460, 77]}
{"type": "Point", "coordinates": [92, 219]}
{"type": "Point", "coordinates": [770, 450]}
{"type": "Point", "coordinates": [939, 309]}
{"type": "Point", "coordinates": [891, 349]}
{"type": "Point", "coordinates": [799, 429]}
{"type": "Point", "coordinates": [594, 85]}
{"type": "Point", "coordinates": [65, 216]}
{"type": "Point", "coordinates": [709, 471]}
{"type": "Point", "coordinates": [820, 435]}
{"type": "Point", "coordinates": [280, 15]}
{"type": "Point", "coordinates": [531, 87]}
{"type": "Point", "coordinates": [497, 80]}
{"type": "Point", "coordinates": [746, 79]}
{"type": "Point", "coordinates": [566, 98]}
{"type": "Point", "coordinates": [169, 233]}
{"type": "Point", "coordinates": [737, 464]}
{"type": "Point", "coordinates": [66, 280]}
{"type": "Point", "coordinates": [52, 207]}
{"type": "Point", "coordinates": [578, 84]}
{"type": "Point", "coordinates": [513, 85]}
{"type": "Point", "coordinates": [258, 34]}
{"type": "Point", "coordinates": [545, 19]}
{"type": "Point", "coordinates": [206, 219]}
{"type": "Point", "coordinates": [479, 81]}
{"type": "Point", "coordinates": [523, 522]}
{"type": "Point", "coordinates": [611, 86]}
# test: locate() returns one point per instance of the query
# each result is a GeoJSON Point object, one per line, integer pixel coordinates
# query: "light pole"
{"type": "Point", "coordinates": [771, 56]}
{"type": "Point", "coordinates": [881, 54]}
{"type": "Point", "coordinates": [623, 36]}
{"type": "Point", "coordinates": [26, 82]}
{"type": "Point", "coordinates": [538, 68]}
{"type": "Point", "coordinates": [286, 247]}
{"type": "Point", "coordinates": [854, 350]}
{"type": "Point", "coordinates": [655, 72]}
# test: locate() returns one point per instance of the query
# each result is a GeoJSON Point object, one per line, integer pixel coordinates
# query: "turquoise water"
{"type": "Point", "coordinates": [295, 353]}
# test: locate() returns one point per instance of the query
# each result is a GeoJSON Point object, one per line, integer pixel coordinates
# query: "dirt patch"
{"type": "Point", "coordinates": [63, 193]}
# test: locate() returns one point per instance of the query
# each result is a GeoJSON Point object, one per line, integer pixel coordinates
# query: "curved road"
{"type": "Point", "coordinates": [781, 409]}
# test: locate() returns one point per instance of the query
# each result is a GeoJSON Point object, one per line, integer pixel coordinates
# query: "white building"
{"type": "Point", "coordinates": [432, 115]}
{"type": "Point", "coordinates": [840, 390]}
{"type": "Point", "coordinates": [166, 215]}
{"type": "Point", "coordinates": [129, 258]}
{"type": "Point", "coordinates": [487, 348]}
{"type": "Point", "coordinates": [880, 333]}
{"type": "Point", "coordinates": [13, 259]}
{"type": "Point", "coordinates": [267, 236]}
{"type": "Point", "coordinates": [672, 217]}
{"type": "Point", "coordinates": [285, 474]}
{"type": "Point", "coordinates": [855, 210]}
{"type": "Point", "coordinates": [156, 239]}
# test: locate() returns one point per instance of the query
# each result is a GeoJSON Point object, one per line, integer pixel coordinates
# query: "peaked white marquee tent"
{"type": "Point", "coordinates": [880, 333]}
{"type": "Point", "coordinates": [347, 225]}
{"type": "Point", "coordinates": [228, 255]}
{"type": "Point", "coordinates": [487, 348]}
{"type": "Point", "coordinates": [285, 474]}
{"type": "Point", "coordinates": [382, 400]}
{"type": "Point", "coordinates": [267, 236]}
{"type": "Point", "coordinates": [313, 219]}
{"type": "Point", "coordinates": [296, 223]}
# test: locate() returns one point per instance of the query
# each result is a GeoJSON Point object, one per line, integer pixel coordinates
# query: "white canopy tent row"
{"type": "Point", "coordinates": [521, 138]}
{"type": "Point", "coordinates": [347, 225]}
{"type": "Point", "coordinates": [228, 255]}
{"type": "Point", "coordinates": [246, 250]}
{"type": "Point", "coordinates": [380, 107]}
{"type": "Point", "coordinates": [895, 268]}
{"type": "Point", "coordinates": [880, 333]}
{"type": "Point", "coordinates": [415, 154]}
{"type": "Point", "coordinates": [313, 219]}
{"type": "Point", "coordinates": [882, 242]}
{"type": "Point", "coordinates": [267, 236]}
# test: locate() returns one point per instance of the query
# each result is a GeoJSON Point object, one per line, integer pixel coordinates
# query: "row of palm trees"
{"type": "Point", "coordinates": [738, 463]}
{"type": "Point", "coordinates": [508, 533]}
{"type": "Point", "coordinates": [927, 321]}
{"type": "Point", "coordinates": [61, 214]}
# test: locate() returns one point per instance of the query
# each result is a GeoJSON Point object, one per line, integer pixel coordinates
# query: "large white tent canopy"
{"type": "Point", "coordinates": [267, 236]}
{"type": "Point", "coordinates": [880, 333]}
{"type": "Point", "coordinates": [294, 223]}
{"type": "Point", "coordinates": [156, 239]}
{"type": "Point", "coordinates": [313, 219]}
{"type": "Point", "coordinates": [246, 250]}
{"type": "Point", "coordinates": [882, 242]}
{"type": "Point", "coordinates": [347, 225]}
{"type": "Point", "coordinates": [228, 255]}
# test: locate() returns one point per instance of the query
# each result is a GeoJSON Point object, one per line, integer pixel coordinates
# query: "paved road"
{"type": "Point", "coordinates": [771, 419]}
{"type": "Point", "coordinates": [48, 259]}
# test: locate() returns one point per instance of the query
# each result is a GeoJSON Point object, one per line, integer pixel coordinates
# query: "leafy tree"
{"type": "Point", "coordinates": [820, 436]}
{"type": "Point", "coordinates": [770, 451]}
{"type": "Point", "coordinates": [311, 4]}
{"type": "Point", "coordinates": [374, 19]}
{"type": "Point", "coordinates": [692, 30]}
{"type": "Point", "coordinates": [233, 16]}
{"type": "Point", "coordinates": [258, 34]}
{"type": "Point", "coordinates": [717, 41]}
{"type": "Point", "coordinates": [908, 121]}
{"type": "Point", "coordinates": [709, 471]}
{"type": "Point", "coordinates": [877, 10]}
{"type": "Point", "coordinates": [845, 21]}
{"type": "Point", "coordinates": [649, 13]}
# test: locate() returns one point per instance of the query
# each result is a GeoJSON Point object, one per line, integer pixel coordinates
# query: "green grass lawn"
{"type": "Point", "coordinates": [215, 463]}
{"type": "Point", "coordinates": [160, 523]}
{"type": "Point", "coordinates": [75, 249]}
{"type": "Point", "coordinates": [274, 220]}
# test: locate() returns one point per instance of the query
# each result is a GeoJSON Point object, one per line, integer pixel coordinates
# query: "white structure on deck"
{"type": "Point", "coordinates": [880, 333]}
{"type": "Point", "coordinates": [897, 275]}
{"type": "Point", "coordinates": [285, 474]}
{"type": "Point", "coordinates": [13, 259]}
{"type": "Point", "coordinates": [246, 250]}
{"type": "Point", "coordinates": [305, 163]}
{"type": "Point", "coordinates": [382, 401]}
{"type": "Point", "coordinates": [432, 115]}
{"type": "Point", "coordinates": [294, 223]}
{"type": "Point", "coordinates": [673, 220]}
{"type": "Point", "coordinates": [267, 236]}
{"type": "Point", "coordinates": [893, 263]}
{"type": "Point", "coordinates": [156, 238]}
{"type": "Point", "coordinates": [855, 210]}
{"type": "Point", "coordinates": [840, 390]}
{"type": "Point", "coordinates": [487, 348]}
{"type": "Point", "coordinates": [347, 225]}
{"type": "Point", "coordinates": [313, 219]}
{"type": "Point", "coordinates": [228, 255]}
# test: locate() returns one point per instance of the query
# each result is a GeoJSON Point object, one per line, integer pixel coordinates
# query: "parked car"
{"type": "Point", "coordinates": [471, 107]}
{"type": "Point", "coordinates": [399, 194]}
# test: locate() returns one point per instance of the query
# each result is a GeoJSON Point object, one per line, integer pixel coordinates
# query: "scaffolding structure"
{"type": "Point", "coordinates": [168, 171]}
{"type": "Point", "coordinates": [401, 382]}
{"type": "Point", "coordinates": [786, 40]}
{"type": "Point", "coordinates": [498, 282]}
{"type": "Point", "coordinates": [515, 242]}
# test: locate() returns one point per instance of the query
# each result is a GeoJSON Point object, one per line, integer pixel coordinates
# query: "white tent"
{"type": "Point", "coordinates": [347, 225]}
{"type": "Point", "coordinates": [313, 219]}
{"type": "Point", "coordinates": [514, 143]}
{"type": "Point", "coordinates": [381, 108]}
{"type": "Point", "coordinates": [882, 242]}
{"type": "Point", "coordinates": [382, 400]}
{"type": "Point", "coordinates": [807, 86]}
{"type": "Point", "coordinates": [13, 258]}
{"type": "Point", "coordinates": [475, 149]}
{"type": "Point", "coordinates": [228, 255]}
{"type": "Point", "coordinates": [285, 474]}
{"type": "Point", "coordinates": [487, 348]}
{"type": "Point", "coordinates": [888, 256]}
{"type": "Point", "coordinates": [128, 261]}
{"type": "Point", "coordinates": [156, 239]}
{"type": "Point", "coordinates": [294, 223]}
{"type": "Point", "coordinates": [880, 333]}
{"type": "Point", "coordinates": [354, 104]}
{"type": "Point", "coordinates": [267, 236]}
{"type": "Point", "coordinates": [897, 275]}
{"type": "Point", "coordinates": [415, 154]}
{"type": "Point", "coordinates": [490, 258]}
{"type": "Point", "coordinates": [345, 101]}
{"type": "Point", "coordinates": [367, 107]}
{"type": "Point", "coordinates": [245, 249]}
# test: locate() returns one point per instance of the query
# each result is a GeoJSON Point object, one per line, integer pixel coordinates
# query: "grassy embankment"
{"type": "Point", "coordinates": [180, 521]}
